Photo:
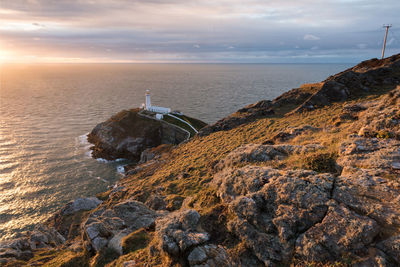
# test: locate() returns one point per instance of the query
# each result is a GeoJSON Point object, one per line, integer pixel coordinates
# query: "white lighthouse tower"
{"type": "Point", "coordinates": [148, 101]}
{"type": "Point", "coordinates": [154, 109]}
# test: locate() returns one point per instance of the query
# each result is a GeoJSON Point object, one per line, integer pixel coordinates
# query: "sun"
{"type": "Point", "coordinates": [5, 56]}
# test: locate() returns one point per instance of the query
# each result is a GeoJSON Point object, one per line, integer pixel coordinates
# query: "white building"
{"type": "Point", "coordinates": [156, 109]}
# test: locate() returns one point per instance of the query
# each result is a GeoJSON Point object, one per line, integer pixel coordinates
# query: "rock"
{"type": "Point", "coordinates": [177, 232]}
{"type": "Point", "coordinates": [341, 231]}
{"type": "Point", "coordinates": [371, 153]}
{"type": "Point", "coordinates": [21, 248]}
{"type": "Point", "coordinates": [156, 202]}
{"type": "Point", "coordinates": [382, 118]}
{"type": "Point", "coordinates": [80, 204]}
{"type": "Point", "coordinates": [391, 247]}
{"type": "Point", "coordinates": [354, 82]}
{"type": "Point", "coordinates": [232, 183]}
{"type": "Point", "coordinates": [353, 108]}
{"type": "Point", "coordinates": [269, 216]}
{"type": "Point", "coordinates": [129, 264]}
{"type": "Point", "coordinates": [368, 192]}
{"type": "Point", "coordinates": [109, 226]}
{"type": "Point", "coordinates": [245, 115]}
{"type": "Point", "coordinates": [209, 255]}
{"type": "Point", "coordinates": [146, 155]}
{"type": "Point", "coordinates": [252, 153]}
{"type": "Point", "coordinates": [375, 258]}
{"type": "Point", "coordinates": [197, 256]}
{"type": "Point", "coordinates": [396, 165]}
{"type": "Point", "coordinates": [128, 133]}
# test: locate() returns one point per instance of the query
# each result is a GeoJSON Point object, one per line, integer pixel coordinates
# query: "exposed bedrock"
{"type": "Point", "coordinates": [127, 134]}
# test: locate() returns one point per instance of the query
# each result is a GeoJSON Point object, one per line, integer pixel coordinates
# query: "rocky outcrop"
{"type": "Point", "coordinates": [80, 204]}
{"type": "Point", "coordinates": [128, 133]}
{"type": "Point", "coordinates": [179, 236]}
{"type": "Point", "coordinates": [272, 208]}
{"type": "Point", "coordinates": [23, 248]}
{"type": "Point", "coordinates": [252, 153]}
{"type": "Point", "coordinates": [355, 81]}
{"type": "Point", "coordinates": [107, 227]}
{"type": "Point", "coordinates": [341, 232]}
{"type": "Point", "coordinates": [346, 85]}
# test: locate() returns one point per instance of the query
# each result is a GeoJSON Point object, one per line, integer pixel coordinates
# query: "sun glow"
{"type": "Point", "coordinates": [5, 56]}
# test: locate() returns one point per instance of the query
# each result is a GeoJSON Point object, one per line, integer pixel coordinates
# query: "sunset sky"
{"type": "Point", "coordinates": [196, 31]}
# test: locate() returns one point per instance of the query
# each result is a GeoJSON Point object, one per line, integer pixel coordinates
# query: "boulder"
{"type": "Point", "coordinates": [275, 208]}
{"type": "Point", "coordinates": [107, 227]}
{"type": "Point", "coordinates": [209, 255]}
{"type": "Point", "coordinates": [178, 233]}
{"type": "Point", "coordinates": [391, 247]}
{"type": "Point", "coordinates": [340, 232]}
{"type": "Point", "coordinates": [80, 204]}
{"type": "Point", "coordinates": [252, 153]}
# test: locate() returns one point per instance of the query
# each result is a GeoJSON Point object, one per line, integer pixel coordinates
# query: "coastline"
{"type": "Point", "coordinates": [152, 199]}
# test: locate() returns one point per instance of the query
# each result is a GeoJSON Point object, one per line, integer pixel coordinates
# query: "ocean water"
{"type": "Point", "coordinates": [46, 111]}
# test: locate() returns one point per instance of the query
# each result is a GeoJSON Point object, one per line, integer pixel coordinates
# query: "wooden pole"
{"type": "Point", "coordinates": [384, 42]}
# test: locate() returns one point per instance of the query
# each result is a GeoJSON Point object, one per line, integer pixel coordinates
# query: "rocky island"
{"type": "Point", "coordinates": [311, 178]}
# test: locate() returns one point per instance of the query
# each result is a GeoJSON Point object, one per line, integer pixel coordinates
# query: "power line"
{"type": "Point", "coordinates": [387, 26]}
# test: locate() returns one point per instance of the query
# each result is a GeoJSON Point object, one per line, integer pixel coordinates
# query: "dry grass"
{"type": "Point", "coordinates": [196, 158]}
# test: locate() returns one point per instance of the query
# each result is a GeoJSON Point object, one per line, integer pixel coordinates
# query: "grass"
{"type": "Point", "coordinates": [197, 124]}
{"type": "Point", "coordinates": [188, 168]}
{"type": "Point", "coordinates": [196, 158]}
{"type": "Point", "coordinates": [134, 241]}
{"type": "Point", "coordinates": [179, 124]}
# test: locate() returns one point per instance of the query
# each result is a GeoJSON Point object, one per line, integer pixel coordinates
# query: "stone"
{"type": "Point", "coordinates": [252, 153]}
{"type": "Point", "coordinates": [98, 243]}
{"type": "Point", "coordinates": [197, 256]}
{"type": "Point", "coordinates": [107, 227]}
{"type": "Point", "coordinates": [81, 204]}
{"type": "Point", "coordinates": [209, 255]}
{"type": "Point", "coordinates": [368, 192]}
{"type": "Point", "coordinates": [129, 264]}
{"type": "Point", "coordinates": [178, 232]}
{"type": "Point", "coordinates": [341, 231]}
{"type": "Point", "coordinates": [156, 202]}
{"type": "Point", "coordinates": [269, 215]}
{"type": "Point", "coordinates": [391, 247]}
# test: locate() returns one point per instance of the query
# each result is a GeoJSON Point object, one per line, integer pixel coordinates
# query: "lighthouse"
{"type": "Point", "coordinates": [154, 109]}
{"type": "Point", "coordinates": [148, 101]}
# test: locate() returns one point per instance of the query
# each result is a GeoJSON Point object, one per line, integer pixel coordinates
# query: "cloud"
{"type": "Point", "coordinates": [362, 46]}
{"type": "Point", "coordinates": [310, 37]}
{"type": "Point", "coordinates": [196, 29]}
{"type": "Point", "coordinates": [391, 41]}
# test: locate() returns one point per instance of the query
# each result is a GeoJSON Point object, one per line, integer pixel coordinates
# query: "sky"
{"type": "Point", "coordinates": [199, 31]}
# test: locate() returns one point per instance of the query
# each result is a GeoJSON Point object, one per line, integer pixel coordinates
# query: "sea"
{"type": "Point", "coordinates": [46, 111]}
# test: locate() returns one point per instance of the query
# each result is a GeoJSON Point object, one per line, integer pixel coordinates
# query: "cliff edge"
{"type": "Point", "coordinates": [130, 132]}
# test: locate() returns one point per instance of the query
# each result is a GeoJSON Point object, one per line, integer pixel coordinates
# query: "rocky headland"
{"type": "Point", "coordinates": [130, 132]}
{"type": "Point", "coordinates": [311, 178]}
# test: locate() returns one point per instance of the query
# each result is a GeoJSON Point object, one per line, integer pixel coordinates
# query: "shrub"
{"type": "Point", "coordinates": [321, 162]}
{"type": "Point", "coordinates": [134, 241]}
{"type": "Point", "coordinates": [384, 135]}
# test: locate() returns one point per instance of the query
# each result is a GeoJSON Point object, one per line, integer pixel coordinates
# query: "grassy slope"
{"type": "Point", "coordinates": [187, 169]}
{"type": "Point", "coordinates": [196, 158]}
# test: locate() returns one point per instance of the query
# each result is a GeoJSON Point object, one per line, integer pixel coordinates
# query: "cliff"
{"type": "Point", "coordinates": [291, 181]}
{"type": "Point", "coordinates": [128, 133]}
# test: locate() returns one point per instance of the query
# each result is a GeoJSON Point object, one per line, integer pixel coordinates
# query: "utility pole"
{"type": "Point", "coordinates": [387, 26]}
